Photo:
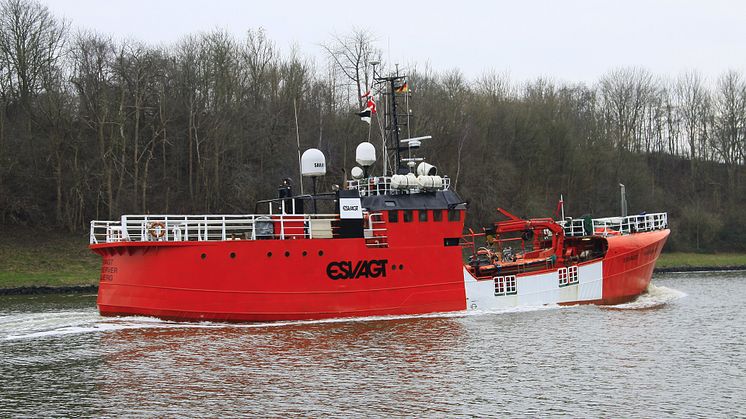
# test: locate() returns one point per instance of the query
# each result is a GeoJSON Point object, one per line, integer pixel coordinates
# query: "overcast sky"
{"type": "Point", "coordinates": [564, 40]}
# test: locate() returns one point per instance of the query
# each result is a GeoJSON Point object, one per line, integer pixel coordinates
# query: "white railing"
{"type": "Point", "coordinates": [381, 185]}
{"type": "Point", "coordinates": [375, 231]}
{"type": "Point", "coordinates": [615, 225]}
{"type": "Point", "coordinates": [160, 228]}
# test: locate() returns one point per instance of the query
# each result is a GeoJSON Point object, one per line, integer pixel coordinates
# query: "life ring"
{"type": "Point", "coordinates": [157, 229]}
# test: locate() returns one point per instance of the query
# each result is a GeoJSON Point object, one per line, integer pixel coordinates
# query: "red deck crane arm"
{"type": "Point", "coordinates": [515, 224]}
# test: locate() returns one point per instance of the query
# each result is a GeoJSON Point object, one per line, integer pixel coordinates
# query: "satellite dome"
{"type": "Point", "coordinates": [357, 172]}
{"type": "Point", "coordinates": [365, 154]}
{"type": "Point", "coordinates": [313, 163]}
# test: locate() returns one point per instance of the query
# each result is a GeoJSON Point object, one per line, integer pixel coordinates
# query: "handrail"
{"type": "Point", "coordinates": [177, 228]}
{"type": "Point", "coordinates": [611, 226]}
{"type": "Point", "coordinates": [381, 185]}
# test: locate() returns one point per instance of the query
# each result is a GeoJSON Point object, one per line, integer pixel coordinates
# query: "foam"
{"type": "Point", "coordinates": [56, 324]}
{"type": "Point", "coordinates": [654, 296]}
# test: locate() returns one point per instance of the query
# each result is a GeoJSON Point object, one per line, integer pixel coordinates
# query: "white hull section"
{"type": "Point", "coordinates": [564, 285]}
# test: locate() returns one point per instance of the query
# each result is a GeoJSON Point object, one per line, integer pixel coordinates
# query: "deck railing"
{"type": "Point", "coordinates": [381, 185]}
{"type": "Point", "coordinates": [159, 228]}
{"type": "Point", "coordinates": [375, 231]}
{"type": "Point", "coordinates": [615, 225]}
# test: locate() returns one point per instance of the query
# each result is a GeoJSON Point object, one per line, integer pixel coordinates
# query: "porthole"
{"type": "Point", "coordinates": [321, 253]}
{"type": "Point", "coordinates": [233, 255]}
{"type": "Point", "coordinates": [203, 255]}
{"type": "Point", "coordinates": [305, 253]}
{"type": "Point", "coordinates": [401, 267]}
{"type": "Point", "coordinates": [287, 253]}
{"type": "Point", "coordinates": [269, 254]}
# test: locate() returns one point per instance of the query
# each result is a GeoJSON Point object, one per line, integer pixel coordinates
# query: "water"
{"type": "Point", "coordinates": [678, 351]}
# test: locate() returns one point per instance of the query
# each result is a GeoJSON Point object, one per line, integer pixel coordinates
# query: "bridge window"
{"type": "Point", "coordinates": [454, 215]}
{"type": "Point", "coordinates": [408, 216]}
{"type": "Point", "coordinates": [393, 216]}
{"type": "Point", "coordinates": [422, 214]}
{"type": "Point", "coordinates": [437, 215]}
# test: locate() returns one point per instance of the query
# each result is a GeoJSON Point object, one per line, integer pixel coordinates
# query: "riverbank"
{"type": "Point", "coordinates": [688, 262]}
{"type": "Point", "coordinates": [32, 259]}
{"type": "Point", "coordinates": [40, 262]}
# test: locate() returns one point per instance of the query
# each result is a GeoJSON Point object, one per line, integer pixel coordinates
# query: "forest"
{"type": "Point", "coordinates": [92, 128]}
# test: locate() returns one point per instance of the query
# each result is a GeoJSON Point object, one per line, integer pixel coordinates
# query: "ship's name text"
{"type": "Point", "coordinates": [362, 269]}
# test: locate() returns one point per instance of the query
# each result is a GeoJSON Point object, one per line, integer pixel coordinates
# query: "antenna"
{"type": "Point", "coordinates": [297, 139]}
{"type": "Point", "coordinates": [383, 137]}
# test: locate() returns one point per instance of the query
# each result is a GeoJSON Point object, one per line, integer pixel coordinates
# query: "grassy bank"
{"type": "Point", "coordinates": [701, 260]}
{"type": "Point", "coordinates": [43, 258]}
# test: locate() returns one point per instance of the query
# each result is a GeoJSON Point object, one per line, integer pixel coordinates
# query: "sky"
{"type": "Point", "coordinates": [564, 40]}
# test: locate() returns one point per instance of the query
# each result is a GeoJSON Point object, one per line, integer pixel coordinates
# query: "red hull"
{"type": "Point", "coordinates": [238, 281]}
{"type": "Point", "coordinates": [629, 263]}
{"type": "Point", "coordinates": [173, 281]}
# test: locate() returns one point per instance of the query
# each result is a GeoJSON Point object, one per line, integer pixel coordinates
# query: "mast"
{"type": "Point", "coordinates": [395, 123]}
{"type": "Point", "coordinates": [392, 140]}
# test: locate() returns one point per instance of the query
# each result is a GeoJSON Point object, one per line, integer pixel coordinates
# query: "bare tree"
{"type": "Point", "coordinates": [31, 42]}
{"type": "Point", "coordinates": [692, 100]}
{"type": "Point", "coordinates": [626, 92]}
{"type": "Point", "coordinates": [93, 56]}
{"type": "Point", "coordinates": [730, 122]}
{"type": "Point", "coordinates": [353, 54]}
{"type": "Point", "coordinates": [495, 86]}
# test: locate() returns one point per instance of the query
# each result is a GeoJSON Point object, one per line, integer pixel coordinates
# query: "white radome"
{"type": "Point", "coordinates": [365, 154]}
{"type": "Point", "coordinates": [313, 163]}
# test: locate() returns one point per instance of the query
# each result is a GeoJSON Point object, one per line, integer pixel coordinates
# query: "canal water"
{"type": "Point", "coordinates": [678, 351]}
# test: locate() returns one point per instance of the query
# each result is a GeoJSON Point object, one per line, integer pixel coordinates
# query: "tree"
{"type": "Point", "coordinates": [625, 93]}
{"type": "Point", "coordinates": [31, 42]}
{"type": "Point", "coordinates": [730, 123]}
{"type": "Point", "coordinates": [353, 54]}
{"type": "Point", "coordinates": [692, 100]}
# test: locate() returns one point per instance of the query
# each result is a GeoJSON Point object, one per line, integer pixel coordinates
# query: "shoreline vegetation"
{"type": "Point", "coordinates": [41, 262]}
{"type": "Point", "coordinates": [93, 127]}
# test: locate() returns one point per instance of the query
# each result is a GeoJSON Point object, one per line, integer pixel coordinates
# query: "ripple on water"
{"type": "Point", "coordinates": [683, 357]}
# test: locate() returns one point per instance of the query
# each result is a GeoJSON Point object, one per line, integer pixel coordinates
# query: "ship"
{"type": "Point", "coordinates": [379, 245]}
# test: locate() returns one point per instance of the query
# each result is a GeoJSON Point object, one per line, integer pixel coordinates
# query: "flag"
{"type": "Point", "coordinates": [404, 88]}
{"type": "Point", "coordinates": [365, 115]}
{"type": "Point", "coordinates": [371, 105]}
{"type": "Point", "coordinates": [370, 109]}
{"type": "Point", "coordinates": [560, 206]}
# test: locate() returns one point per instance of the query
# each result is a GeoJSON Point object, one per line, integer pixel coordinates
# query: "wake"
{"type": "Point", "coordinates": [56, 324]}
{"type": "Point", "coordinates": [654, 296]}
